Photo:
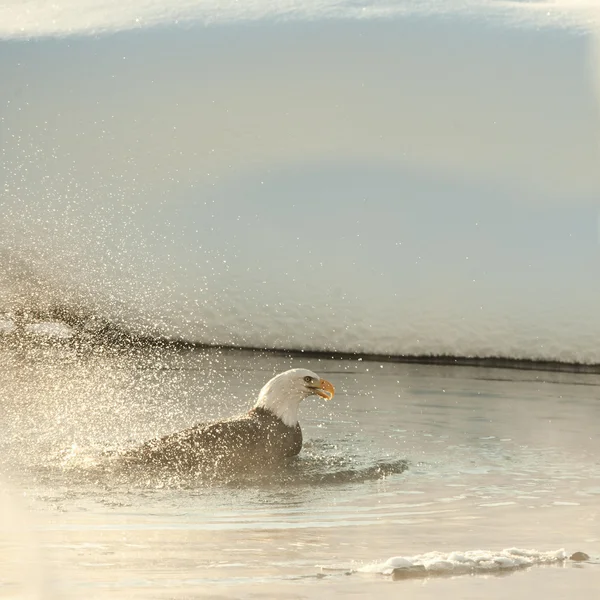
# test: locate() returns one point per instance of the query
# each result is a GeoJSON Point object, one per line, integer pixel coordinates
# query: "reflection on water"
{"type": "Point", "coordinates": [407, 459]}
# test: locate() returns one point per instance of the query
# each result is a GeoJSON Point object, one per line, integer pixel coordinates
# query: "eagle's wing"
{"type": "Point", "coordinates": [229, 439]}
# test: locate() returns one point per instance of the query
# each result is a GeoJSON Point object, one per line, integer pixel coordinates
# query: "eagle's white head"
{"type": "Point", "coordinates": [283, 394]}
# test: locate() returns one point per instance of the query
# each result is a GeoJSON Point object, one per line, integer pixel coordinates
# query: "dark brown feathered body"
{"type": "Point", "coordinates": [254, 439]}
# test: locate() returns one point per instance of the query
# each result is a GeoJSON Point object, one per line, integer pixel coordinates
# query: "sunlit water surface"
{"type": "Point", "coordinates": [406, 459]}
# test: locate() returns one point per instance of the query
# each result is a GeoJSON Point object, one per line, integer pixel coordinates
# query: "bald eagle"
{"type": "Point", "coordinates": [266, 434]}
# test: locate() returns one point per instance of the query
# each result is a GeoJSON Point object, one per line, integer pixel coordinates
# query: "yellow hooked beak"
{"type": "Point", "coordinates": [325, 390]}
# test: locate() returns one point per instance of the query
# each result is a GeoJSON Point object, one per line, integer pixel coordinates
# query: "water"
{"type": "Point", "coordinates": [405, 460]}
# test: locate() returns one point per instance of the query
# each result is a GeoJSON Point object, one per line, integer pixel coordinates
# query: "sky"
{"type": "Point", "coordinates": [27, 18]}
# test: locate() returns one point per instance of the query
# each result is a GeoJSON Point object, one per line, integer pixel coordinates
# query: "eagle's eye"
{"type": "Point", "coordinates": [308, 379]}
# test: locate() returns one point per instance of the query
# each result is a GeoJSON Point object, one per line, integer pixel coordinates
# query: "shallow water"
{"type": "Point", "coordinates": [406, 459]}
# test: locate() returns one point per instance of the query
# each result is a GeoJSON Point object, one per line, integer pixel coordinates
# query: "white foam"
{"type": "Point", "coordinates": [50, 329]}
{"type": "Point", "coordinates": [472, 561]}
{"type": "Point", "coordinates": [6, 326]}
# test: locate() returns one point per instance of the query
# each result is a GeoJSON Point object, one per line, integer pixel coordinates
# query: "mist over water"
{"type": "Point", "coordinates": [321, 203]}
